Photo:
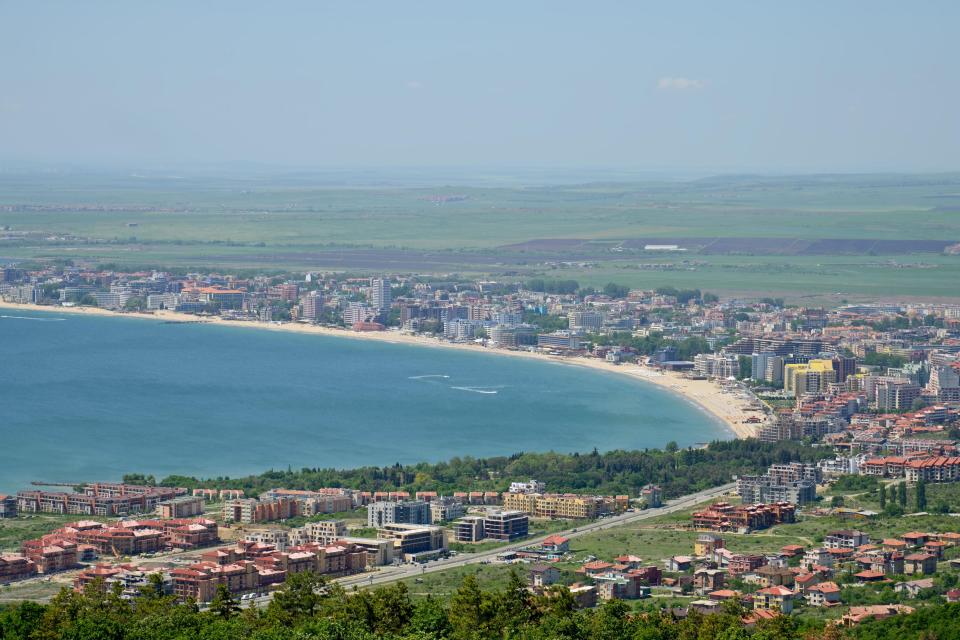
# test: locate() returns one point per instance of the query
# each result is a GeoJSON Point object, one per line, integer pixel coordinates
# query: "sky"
{"type": "Point", "coordinates": [721, 86]}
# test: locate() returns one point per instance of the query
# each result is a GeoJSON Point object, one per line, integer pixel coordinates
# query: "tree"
{"type": "Point", "coordinates": [223, 605]}
{"type": "Point", "coordinates": [392, 608]}
{"type": "Point", "coordinates": [921, 496]}
{"type": "Point", "coordinates": [135, 304]}
{"type": "Point", "coordinates": [466, 611]}
{"type": "Point", "coordinates": [513, 604]}
{"type": "Point", "coordinates": [615, 290]}
{"type": "Point", "coordinates": [902, 494]}
{"type": "Point", "coordinates": [299, 598]}
{"type": "Point", "coordinates": [883, 498]}
{"type": "Point", "coordinates": [430, 619]}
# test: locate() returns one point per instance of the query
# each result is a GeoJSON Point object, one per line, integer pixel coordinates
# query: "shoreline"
{"type": "Point", "coordinates": [705, 394]}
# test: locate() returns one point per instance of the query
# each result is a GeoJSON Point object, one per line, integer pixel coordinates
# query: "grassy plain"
{"type": "Point", "coordinates": [318, 223]}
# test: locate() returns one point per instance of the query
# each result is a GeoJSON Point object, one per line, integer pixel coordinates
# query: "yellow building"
{"type": "Point", "coordinates": [706, 544]}
{"type": "Point", "coordinates": [812, 377]}
{"type": "Point", "coordinates": [559, 505]}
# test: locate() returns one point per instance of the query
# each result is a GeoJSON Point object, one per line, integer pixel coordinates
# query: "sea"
{"type": "Point", "coordinates": [90, 398]}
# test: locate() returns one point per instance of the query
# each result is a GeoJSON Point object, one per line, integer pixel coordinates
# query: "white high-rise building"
{"type": "Point", "coordinates": [357, 312]}
{"type": "Point", "coordinates": [380, 294]}
{"type": "Point", "coordinates": [312, 306]}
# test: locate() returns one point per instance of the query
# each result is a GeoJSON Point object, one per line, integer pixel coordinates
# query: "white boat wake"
{"type": "Point", "coordinates": [36, 319]}
{"type": "Point", "coordinates": [429, 375]}
{"type": "Point", "coordinates": [483, 390]}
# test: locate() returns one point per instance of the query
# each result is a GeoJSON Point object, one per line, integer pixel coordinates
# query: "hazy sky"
{"type": "Point", "coordinates": [720, 85]}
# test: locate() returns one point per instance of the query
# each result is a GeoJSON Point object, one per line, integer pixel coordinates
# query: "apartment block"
{"type": "Point", "coordinates": [765, 489]}
{"type": "Point", "coordinates": [505, 525]}
{"type": "Point", "coordinates": [569, 506]}
{"type": "Point", "coordinates": [722, 516]}
{"type": "Point", "coordinates": [380, 514]}
{"type": "Point", "coordinates": [8, 506]}
{"type": "Point", "coordinates": [379, 551]}
{"type": "Point", "coordinates": [561, 340]}
{"type": "Point", "coordinates": [322, 532]}
{"type": "Point", "coordinates": [469, 529]}
{"type": "Point", "coordinates": [412, 539]}
{"type": "Point", "coordinates": [251, 510]}
{"type": "Point", "coordinates": [314, 502]}
{"type": "Point", "coordinates": [98, 499]}
{"type": "Point", "coordinates": [50, 558]}
{"type": "Point", "coordinates": [811, 377]}
{"type": "Point", "coordinates": [182, 507]}
{"type": "Point", "coordinates": [445, 510]}
{"type": "Point", "coordinates": [15, 566]}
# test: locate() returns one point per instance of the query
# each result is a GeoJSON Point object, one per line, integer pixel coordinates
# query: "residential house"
{"type": "Point", "coordinates": [774, 599]}
{"type": "Point", "coordinates": [706, 544]}
{"type": "Point", "coordinates": [805, 581]}
{"type": "Point", "coordinates": [856, 615]}
{"type": "Point", "coordinates": [770, 576]}
{"type": "Point", "coordinates": [556, 544]}
{"type": "Point", "coordinates": [707, 580]}
{"type": "Point", "coordinates": [924, 563]}
{"type": "Point", "coordinates": [845, 539]}
{"type": "Point", "coordinates": [914, 587]}
{"type": "Point", "coordinates": [543, 575]}
{"type": "Point", "coordinates": [824, 594]}
{"type": "Point", "coordinates": [677, 564]}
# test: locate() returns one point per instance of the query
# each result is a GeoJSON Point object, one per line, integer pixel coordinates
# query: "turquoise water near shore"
{"type": "Point", "coordinates": [91, 398]}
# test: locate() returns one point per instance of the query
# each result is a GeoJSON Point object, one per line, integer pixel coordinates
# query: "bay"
{"type": "Point", "coordinates": [85, 398]}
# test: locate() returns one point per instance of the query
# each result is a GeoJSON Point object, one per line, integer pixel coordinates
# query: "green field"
{"type": "Point", "coordinates": [13, 531]}
{"type": "Point", "coordinates": [296, 223]}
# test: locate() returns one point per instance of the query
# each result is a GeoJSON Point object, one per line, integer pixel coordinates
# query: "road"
{"type": "Point", "coordinates": [403, 572]}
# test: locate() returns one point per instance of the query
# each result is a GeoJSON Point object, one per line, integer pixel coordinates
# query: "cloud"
{"type": "Point", "coordinates": [414, 84]}
{"type": "Point", "coordinates": [679, 84]}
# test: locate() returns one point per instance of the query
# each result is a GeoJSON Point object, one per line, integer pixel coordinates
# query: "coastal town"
{"type": "Point", "coordinates": [480, 321]}
{"type": "Point", "coordinates": [867, 521]}
{"type": "Point", "coordinates": [762, 367]}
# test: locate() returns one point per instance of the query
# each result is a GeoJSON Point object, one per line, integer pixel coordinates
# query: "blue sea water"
{"type": "Point", "coordinates": [86, 398]}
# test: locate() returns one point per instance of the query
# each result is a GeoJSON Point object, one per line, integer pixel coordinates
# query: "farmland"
{"type": "Point", "coordinates": [835, 237]}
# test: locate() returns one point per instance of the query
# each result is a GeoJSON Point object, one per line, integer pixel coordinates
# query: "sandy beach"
{"type": "Point", "coordinates": [708, 395]}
